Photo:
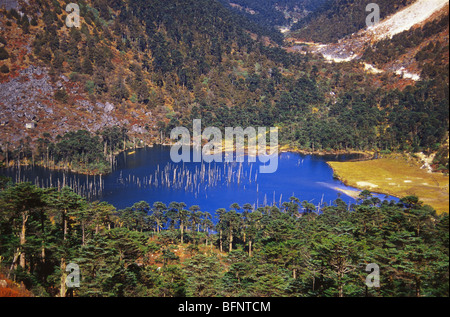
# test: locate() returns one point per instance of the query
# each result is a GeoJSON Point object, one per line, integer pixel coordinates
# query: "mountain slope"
{"type": "Point", "coordinates": [131, 63]}
{"type": "Point", "coordinates": [405, 19]}
{"type": "Point", "coordinates": [336, 19]}
{"type": "Point", "coordinates": [396, 41]}
{"type": "Point", "coordinates": [149, 66]}
{"type": "Point", "coordinates": [275, 13]}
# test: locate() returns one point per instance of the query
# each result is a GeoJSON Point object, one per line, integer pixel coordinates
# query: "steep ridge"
{"type": "Point", "coordinates": [125, 66]}
{"type": "Point", "coordinates": [408, 19]}
{"type": "Point", "coordinates": [405, 19]}
{"type": "Point", "coordinates": [337, 19]}
{"type": "Point", "coordinates": [281, 14]}
{"type": "Point", "coordinates": [145, 67]}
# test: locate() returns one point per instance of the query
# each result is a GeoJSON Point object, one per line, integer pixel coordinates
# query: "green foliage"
{"type": "Point", "coordinates": [3, 53]}
{"type": "Point", "coordinates": [4, 69]}
{"type": "Point", "coordinates": [215, 71]}
{"type": "Point", "coordinates": [275, 252]}
{"type": "Point", "coordinates": [338, 18]}
{"type": "Point", "coordinates": [90, 85]}
{"type": "Point", "coordinates": [176, 250]}
{"type": "Point", "coordinates": [442, 159]}
{"type": "Point", "coordinates": [268, 12]}
{"type": "Point", "coordinates": [82, 151]}
{"type": "Point", "coordinates": [61, 95]}
{"type": "Point", "coordinates": [204, 276]}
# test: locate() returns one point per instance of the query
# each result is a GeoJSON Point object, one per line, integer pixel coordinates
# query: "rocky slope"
{"type": "Point", "coordinates": [409, 19]}
{"type": "Point", "coordinates": [35, 99]}
{"type": "Point", "coordinates": [150, 66]}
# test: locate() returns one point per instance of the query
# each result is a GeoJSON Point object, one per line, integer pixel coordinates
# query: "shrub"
{"type": "Point", "coordinates": [61, 95]}
{"type": "Point", "coordinates": [3, 54]}
{"type": "Point", "coordinates": [89, 87]}
{"type": "Point", "coordinates": [12, 289]}
{"type": "Point", "coordinates": [4, 69]}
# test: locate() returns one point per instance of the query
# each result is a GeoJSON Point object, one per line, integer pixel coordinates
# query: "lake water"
{"type": "Point", "coordinates": [149, 175]}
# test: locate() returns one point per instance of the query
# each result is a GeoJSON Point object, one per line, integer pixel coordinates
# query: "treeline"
{"type": "Point", "coordinates": [79, 151]}
{"type": "Point", "coordinates": [335, 19]}
{"type": "Point", "coordinates": [172, 251]}
{"type": "Point", "coordinates": [412, 120]}
{"type": "Point", "coordinates": [171, 43]}
{"type": "Point", "coordinates": [185, 60]}
{"type": "Point", "coordinates": [431, 57]}
{"type": "Point", "coordinates": [271, 13]}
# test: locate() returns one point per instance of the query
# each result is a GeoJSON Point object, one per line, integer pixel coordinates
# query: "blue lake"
{"type": "Point", "coordinates": [149, 175]}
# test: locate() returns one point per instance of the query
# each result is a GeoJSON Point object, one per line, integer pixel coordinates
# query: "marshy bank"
{"type": "Point", "coordinates": [397, 176]}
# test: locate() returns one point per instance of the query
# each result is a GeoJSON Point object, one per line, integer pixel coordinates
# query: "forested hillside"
{"type": "Point", "coordinates": [179, 250]}
{"type": "Point", "coordinates": [424, 49]}
{"type": "Point", "coordinates": [72, 98]}
{"type": "Point", "coordinates": [149, 67]}
{"type": "Point", "coordinates": [339, 18]}
{"type": "Point", "coordinates": [275, 13]}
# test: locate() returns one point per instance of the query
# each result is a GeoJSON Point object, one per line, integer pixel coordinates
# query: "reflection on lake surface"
{"type": "Point", "coordinates": [148, 174]}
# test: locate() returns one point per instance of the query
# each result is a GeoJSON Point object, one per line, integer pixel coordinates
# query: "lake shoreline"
{"type": "Point", "coordinates": [149, 174]}
{"type": "Point", "coordinates": [395, 176]}
{"type": "Point", "coordinates": [365, 155]}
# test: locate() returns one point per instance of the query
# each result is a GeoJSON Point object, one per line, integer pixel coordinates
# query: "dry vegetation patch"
{"type": "Point", "coordinates": [397, 176]}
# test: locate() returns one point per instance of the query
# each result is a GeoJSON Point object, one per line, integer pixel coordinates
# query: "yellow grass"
{"type": "Point", "coordinates": [396, 176]}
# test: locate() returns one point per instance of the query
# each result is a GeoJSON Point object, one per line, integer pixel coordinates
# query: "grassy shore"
{"type": "Point", "coordinates": [398, 176]}
{"type": "Point", "coordinates": [293, 149]}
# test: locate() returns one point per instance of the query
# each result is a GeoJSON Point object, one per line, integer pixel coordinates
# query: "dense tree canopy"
{"type": "Point", "coordinates": [159, 250]}
{"type": "Point", "coordinates": [184, 60]}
